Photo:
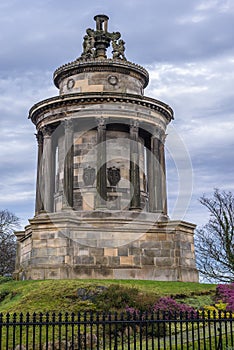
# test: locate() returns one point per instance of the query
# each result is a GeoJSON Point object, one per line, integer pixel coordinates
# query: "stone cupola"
{"type": "Point", "coordinates": [94, 72]}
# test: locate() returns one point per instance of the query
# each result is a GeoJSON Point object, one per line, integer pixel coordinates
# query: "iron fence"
{"type": "Point", "coordinates": [117, 331]}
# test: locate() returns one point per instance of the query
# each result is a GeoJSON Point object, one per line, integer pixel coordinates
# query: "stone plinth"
{"type": "Point", "coordinates": [109, 245]}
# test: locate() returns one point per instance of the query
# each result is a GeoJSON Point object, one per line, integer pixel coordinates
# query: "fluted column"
{"type": "Point", "coordinates": [134, 175]}
{"type": "Point", "coordinates": [47, 171]}
{"type": "Point", "coordinates": [163, 173]}
{"type": "Point", "coordinates": [101, 165]}
{"type": "Point", "coordinates": [39, 207]}
{"type": "Point", "coordinates": [68, 165]}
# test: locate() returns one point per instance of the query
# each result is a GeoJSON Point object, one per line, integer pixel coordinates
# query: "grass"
{"type": "Point", "coordinates": [61, 295]}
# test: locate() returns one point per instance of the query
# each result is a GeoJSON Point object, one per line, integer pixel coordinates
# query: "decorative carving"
{"type": "Point", "coordinates": [134, 126]}
{"type": "Point", "coordinates": [70, 83]}
{"type": "Point", "coordinates": [39, 137]}
{"type": "Point", "coordinates": [118, 49]}
{"type": "Point", "coordinates": [113, 175]}
{"type": "Point", "coordinates": [113, 80]}
{"type": "Point", "coordinates": [68, 125]}
{"type": "Point", "coordinates": [89, 176]}
{"type": "Point", "coordinates": [164, 136]}
{"type": "Point", "coordinates": [47, 130]}
{"type": "Point", "coordinates": [101, 123]}
{"type": "Point", "coordinates": [88, 45]}
{"type": "Point", "coordinates": [97, 41]}
{"type": "Point", "coordinates": [160, 135]}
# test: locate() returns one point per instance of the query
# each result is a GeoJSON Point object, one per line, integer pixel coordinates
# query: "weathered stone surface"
{"type": "Point", "coordinates": [146, 260]}
{"type": "Point", "coordinates": [137, 260]}
{"type": "Point", "coordinates": [102, 260]}
{"type": "Point", "coordinates": [152, 252]}
{"type": "Point", "coordinates": [126, 260]}
{"type": "Point", "coordinates": [110, 252]}
{"type": "Point", "coordinates": [151, 244]}
{"type": "Point", "coordinates": [123, 251]}
{"type": "Point", "coordinates": [114, 261]}
{"type": "Point", "coordinates": [134, 251]}
{"type": "Point", "coordinates": [162, 262]}
{"type": "Point", "coordinates": [84, 260]}
{"type": "Point", "coordinates": [96, 251]}
{"type": "Point", "coordinates": [147, 250]}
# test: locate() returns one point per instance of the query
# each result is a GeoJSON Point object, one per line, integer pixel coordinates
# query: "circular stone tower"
{"type": "Point", "coordinates": [101, 201]}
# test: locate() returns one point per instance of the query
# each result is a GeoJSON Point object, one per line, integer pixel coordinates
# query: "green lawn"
{"type": "Point", "coordinates": [61, 295]}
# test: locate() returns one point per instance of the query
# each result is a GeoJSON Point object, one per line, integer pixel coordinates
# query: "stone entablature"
{"type": "Point", "coordinates": [88, 100]}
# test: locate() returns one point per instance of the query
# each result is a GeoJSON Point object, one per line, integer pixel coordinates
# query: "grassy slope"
{"type": "Point", "coordinates": [61, 295]}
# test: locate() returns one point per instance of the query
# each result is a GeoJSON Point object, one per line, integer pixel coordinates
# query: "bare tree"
{"type": "Point", "coordinates": [214, 242]}
{"type": "Point", "coordinates": [8, 223]}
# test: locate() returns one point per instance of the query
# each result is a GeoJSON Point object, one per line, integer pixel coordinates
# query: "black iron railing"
{"type": "Point", "coordinates": [117, 331]}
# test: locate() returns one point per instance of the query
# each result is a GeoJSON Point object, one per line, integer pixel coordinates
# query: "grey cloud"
{"type": "Point", "coordinates": [46, 34]}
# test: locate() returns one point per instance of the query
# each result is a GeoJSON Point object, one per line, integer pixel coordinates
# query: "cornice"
{"type": "Point", "coordinates": [92, 65]}
{"type": "Point", "coordinates": [97, 98]}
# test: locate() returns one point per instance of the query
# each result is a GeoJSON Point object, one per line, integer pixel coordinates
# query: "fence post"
{"type": "Point", "coordinates": [220, 345]}
{"type": "Point", "coordinates": [0, 330]}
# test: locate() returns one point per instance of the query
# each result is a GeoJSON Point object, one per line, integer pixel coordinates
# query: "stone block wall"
{"type": "Point", "coordinates": [85, 155]}
{"type": "Point", "coordinates": [89, 248]}
{"type": "Point", "coordinates": [101, 82]}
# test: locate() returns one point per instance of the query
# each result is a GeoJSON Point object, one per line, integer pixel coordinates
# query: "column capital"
{"type": "Point", "coordinates": [68, 125]}
{"type": "Point", "coordinates": [134, 125]}
{"type": "Point", "coordinates": [39, 137]}
{"type": "Point", "coordinates": [47, 130]}
{"type": "Point", "coordinates": [101, 123]}
{"type": "Point", "coordinates": [163, 139]}
{"type": "Point", "coordinates": [159, 134]}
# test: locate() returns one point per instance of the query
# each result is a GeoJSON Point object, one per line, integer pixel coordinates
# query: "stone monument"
{"type": "Point", "coordinates": [101, 199]}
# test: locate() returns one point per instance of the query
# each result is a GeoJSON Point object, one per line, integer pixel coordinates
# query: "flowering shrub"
{"type": "Point", "coordinates": [213, 311]}
{"type": "Point", "coordinates": [132, 311]}
{"type": "Point", "coordinates": [224, 302]}
{"type": "Point", "coordinates": [220, 306]}
{"type": "Point", "coordinates": [166, 304]}
{"type": "Point", "coordinates": [225, 292]}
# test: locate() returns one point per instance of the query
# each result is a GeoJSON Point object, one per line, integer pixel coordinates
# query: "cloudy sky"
{"type": "Point", "coordinates": [188, 49]}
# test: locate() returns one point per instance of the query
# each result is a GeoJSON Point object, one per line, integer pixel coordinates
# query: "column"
{"type": "Point", "coordinates": [39, 203]}
{"type": "Point", "coordinates": [163, 173]}
{"type": "Point", "coordinates": [155, 183]}
{"type": "Point", "coordinates": [101, 165]}
{"type": "Point", "coordinates": [68, 165]}
{"type": "Point", "coordinates": [134, 175]}
{"type": "Point", "coordinates": [47, 169]}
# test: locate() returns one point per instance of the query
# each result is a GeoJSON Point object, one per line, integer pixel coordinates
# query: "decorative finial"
{"type": "Point", "coordinates": [97, 41]}
{"type": "Point", "coordinates": [101, 22]}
